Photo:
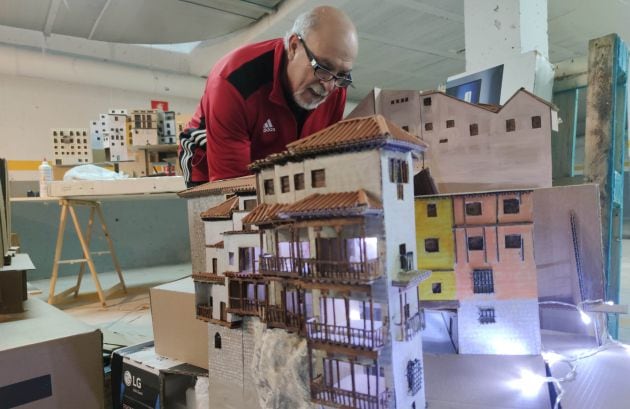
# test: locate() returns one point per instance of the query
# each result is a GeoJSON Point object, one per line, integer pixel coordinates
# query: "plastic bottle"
{"type": "Point", "coordinates": [45, 177]}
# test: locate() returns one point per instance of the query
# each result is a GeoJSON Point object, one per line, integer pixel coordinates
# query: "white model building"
{"type": "Point", "coordinates": [167, 127]}
{"type": "Point", "coordinates": [71, 146]}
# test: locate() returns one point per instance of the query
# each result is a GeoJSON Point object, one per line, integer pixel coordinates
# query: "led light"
{"type": "Point", "coordinates": [552, 357]}
{"type": "Point", "coordinates": [585, 318]}
{"type": "Point", "coordinates": [529, 383]}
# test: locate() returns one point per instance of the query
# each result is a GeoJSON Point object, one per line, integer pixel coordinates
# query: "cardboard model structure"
{"type": "Point", "coordinates": [71, 146]}
{"type": "Point", "coordinates": [474, 147]}
{"type": "Point", "coordinates": [326, 263]}
{"type": "Point", "coordinates": [144, 127]}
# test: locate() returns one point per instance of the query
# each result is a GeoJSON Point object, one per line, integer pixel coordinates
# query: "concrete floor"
{"type": "Point", "coordinates": [127, 318]}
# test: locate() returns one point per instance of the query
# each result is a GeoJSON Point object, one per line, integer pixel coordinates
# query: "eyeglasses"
{"type": "Point", "coordinates": [323, 73]}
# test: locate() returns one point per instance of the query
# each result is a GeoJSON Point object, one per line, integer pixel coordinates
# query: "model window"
{"type": "Point", "coordinates": [406, 258]}
{"type": "Point", "coordinates": [431, 245]}
{"type": "Point", "coordinates": [432, 210]}
{"type": "Point", "coordinates": [269, 188]}
{"type": "Point", "coordinates": [513, 241]}
{"type": "Point", "coordinates": [426, 102]}
{"type": "Point", "coordinates": [510, 125]}
{"type": "Point", "coordinates": [450, 123]}
{"type": "Point", "coordinates": [405, 128]}
{"type": "Point", "coordinates": [511, 206]}
{"type": "Point", "coordinates": [414, 376]}
{"type": "Point", "coordinates": [486, 315]}
{"type": "Point", "coordinates": [483, 282]}
{"type": "Point", "coordinates": [474, 129]}
{"type": "Point", "coordinates": [398, 171]}
{"type": "Point", "coordinates": [231, 258]}
{"type": "Point", "coordinates": [217, 341]}
{"type": "Point", "coordinates": [445, 140]}
{"type": "Point", "coordinates": [284, 184]}
{"type": "Point", "coordinates": [298, 181]}
{"type": "Point", "coordinates": [400, 191]}
{"type": "Point", "coordinates": [428, 126]}
{"type": "Point", "coordinates": [475, 243]}
{"type": "Point", "coordinates": [473, 209]}
{"type": "Point", "coordinates": [318, 178]}
{"type": "Point", "coordinates": [249, 204]}
{"type": "Point", "coordinates": [536, 122]}
{"type": "Point", "coordinates": [436, 288]}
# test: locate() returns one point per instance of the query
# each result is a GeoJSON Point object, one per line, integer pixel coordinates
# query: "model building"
{"type": "Point", "coordinates": [461, 135]}
{"type": "Point", "coordinates": [71, 146]}
{"type": "Point", "coordinates": [167, 128]}
{"type": "Point", "coordinates": [480, 249]}
{"type": "Point", "coordinates": [322, 257]}
{"type": "Point", "coordinates": [145, 127]}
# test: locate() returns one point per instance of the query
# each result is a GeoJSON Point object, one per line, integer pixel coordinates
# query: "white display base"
{"type": "Point", "coordinates": [131, 186]}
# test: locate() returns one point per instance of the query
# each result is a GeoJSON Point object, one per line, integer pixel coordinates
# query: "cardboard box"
{"type": "Point", "coordinates": [177, 333]}
{"type": "Point", "coordinates": [49, 360]}
{"type": "Point", "coordinates": [142, 379]}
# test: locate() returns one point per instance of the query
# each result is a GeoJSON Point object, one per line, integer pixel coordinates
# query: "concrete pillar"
{"type": "Point", "coordinates": [498, 30]}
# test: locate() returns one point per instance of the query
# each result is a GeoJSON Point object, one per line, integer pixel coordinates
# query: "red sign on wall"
{"type": "Point", "coordinates": [160, 105]}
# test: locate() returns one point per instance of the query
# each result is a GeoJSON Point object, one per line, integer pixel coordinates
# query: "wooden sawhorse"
{"type": "Point", "coordinates": [68, 205]}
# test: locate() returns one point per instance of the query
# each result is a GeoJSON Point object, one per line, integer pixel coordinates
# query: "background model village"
{"type": "Point", "coordinates": [422, 226]}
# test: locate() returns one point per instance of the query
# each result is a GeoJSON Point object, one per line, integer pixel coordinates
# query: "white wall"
{"type": "Point", "coordinates": [29, 107]}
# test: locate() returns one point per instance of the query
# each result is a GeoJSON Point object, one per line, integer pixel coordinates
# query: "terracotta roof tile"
{"type": "Point", "coordinates": [355, 132]}
{"type": "Point", "coordinates": [221, 211]}
{"type": "Point", "coordinates": [333, 204]}
{"type": "Point", "coordinates": [217, 245]}
{"type": "Point", "coordinates": [244, 184]}
{"type": "Point", "coordinates": [264, 213]}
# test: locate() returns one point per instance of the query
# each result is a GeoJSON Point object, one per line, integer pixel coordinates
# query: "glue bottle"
{"type": "Point", "coordinates": [45, 177]}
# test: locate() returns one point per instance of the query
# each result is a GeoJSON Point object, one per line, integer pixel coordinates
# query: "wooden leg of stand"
{"type": "Point", "coordinates": [58, 248]}
{"type": "Point", "coordinates": [111, 247]}
{"type": "Point", "coordinates": [88, 238]}
{"type": "Point", "coordinates": [88, 256]}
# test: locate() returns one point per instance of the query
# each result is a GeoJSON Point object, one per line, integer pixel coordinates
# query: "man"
{"type": "Point", "coordinates": [263, 96]}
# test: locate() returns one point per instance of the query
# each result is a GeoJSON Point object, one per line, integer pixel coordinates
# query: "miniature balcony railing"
{"type": "Point", "coordinates": [208, 278]}
{"type": "Point", "coordinates": [413, 325]}
{"type": "Point", "coordinates": [344, 335]}
{"type": "Point", "coordinates": [278, 317]}
{"type": "Point", "coordinates": [339, 270]}
{"type": "Point", "coordinates": [277, 266]}
{"type": "Point", "coordinates": [332, 396]}
{"type": "Point", "coordinates": [204, 311]}
{"type": "Point", "coordinates": [247, 307]}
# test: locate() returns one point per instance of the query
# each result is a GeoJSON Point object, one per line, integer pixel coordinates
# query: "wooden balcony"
{"type": "Point", "coordinates": [204, 311]}
{"type": "Point", "coordinates": [344, 271]}
{"type": "Point", "coordinates": [341, 398]}
{"type": "Point", "coordinates": [277, 266]}
{"type": "Point", "coordinates": [413, 325]}
{"type": "Point", "coordinates": [247, 307]}
{"type": "Point", "coordinates": [346, 336]}
{"type": "Point", "coordinates": [278, 317]}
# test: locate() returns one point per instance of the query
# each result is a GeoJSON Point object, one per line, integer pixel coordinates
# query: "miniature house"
{"type": "Point", "coordinates": [144, 127]}
{"type": "Point", "coordinates": [480, 248]}
{"type": "Point", "coordinates": [118, 149]}
{"type": "Point", "coordinates": [167, 128]}
{"type": "Point", "coordinates": [474, 147]}
{"type": "Point", "coordinates": [71, 146]}
{"type": "Point", "coordinates": [338, 264]}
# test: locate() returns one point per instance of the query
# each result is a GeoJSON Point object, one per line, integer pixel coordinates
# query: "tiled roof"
{"type": "Point", "coordinates": [217, 245]}
{"type": "Point", "coordinates": [353, 132]}
{"type": "Point", "coordinates": [243, 184]}
{"type": "Point", "coordinates": [264, 213]}
{"type": "Point", "coordinates": [488, 107]}
{"type": "Point", "coordinates": [333, 204]}
{"type": "Point", "coordinates": [221, 211]}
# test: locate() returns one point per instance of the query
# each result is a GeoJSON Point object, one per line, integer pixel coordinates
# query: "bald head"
{"type": "Point", "coordinates": [329, 36]}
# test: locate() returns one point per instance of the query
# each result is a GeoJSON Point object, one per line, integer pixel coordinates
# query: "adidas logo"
{"type": "Point", "coordinates": [268, 126]}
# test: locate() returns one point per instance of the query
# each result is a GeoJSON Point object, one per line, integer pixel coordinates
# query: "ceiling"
{"type": "Point", "coordinates": [404, 44]}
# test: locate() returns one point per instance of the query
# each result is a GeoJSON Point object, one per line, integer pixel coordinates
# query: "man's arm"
{"type": "Point", "coordinates": [228, 141]}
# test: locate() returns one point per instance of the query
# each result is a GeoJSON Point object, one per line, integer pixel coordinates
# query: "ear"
{"type": "Point", "coordinates": [293, 46]}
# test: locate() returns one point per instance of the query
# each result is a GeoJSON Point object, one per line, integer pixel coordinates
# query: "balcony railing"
{"type": "Point", "coordinates": [278, 317]}
{"type": "Point", "coordinates": [347, 336]}
{"type": "Point", "coordinates": [329, 395]}
{"type": "Point", "coordinates": [209, 278]}
{"type": "Point", "coordinates": [339, 270]}
{"type": "Point", "coordinates": [247, 307]}
{"type": "Point", "coordinates": [413, 325]}
{"type": "Point", "coordinates": [204, 310]}
{"type": "Point", "coordinates": [277, 266]}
